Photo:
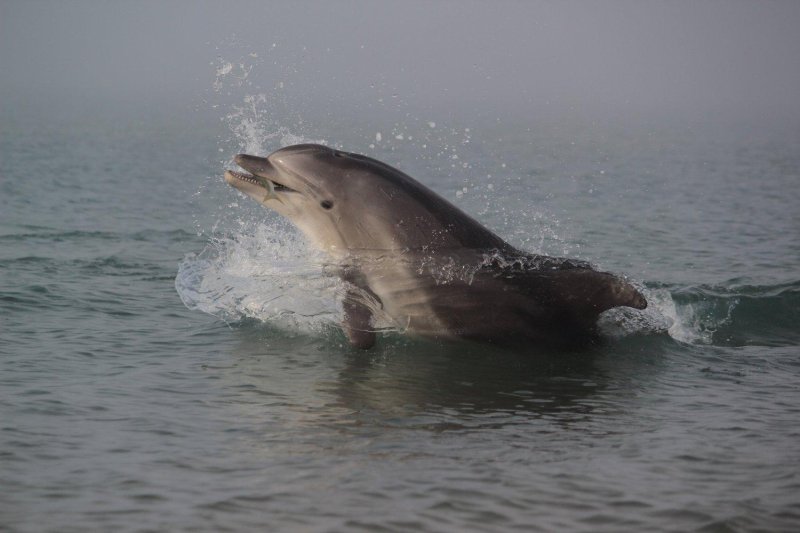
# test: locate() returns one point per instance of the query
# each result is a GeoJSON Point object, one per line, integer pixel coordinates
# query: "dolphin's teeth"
{"type": "Point", "coordinates": [245, 177]}
{"type": "Point", "coordinates": [271, 186]}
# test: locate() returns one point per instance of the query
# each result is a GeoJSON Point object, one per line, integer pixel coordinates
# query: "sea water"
{"type": "Point", "coordinates": [170, 357]}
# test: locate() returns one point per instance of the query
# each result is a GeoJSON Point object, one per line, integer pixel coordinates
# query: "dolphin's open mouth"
{"type": "Point", "coordinates": [232, 176]}
{"type": "Point", "coordinates": [259, 172]}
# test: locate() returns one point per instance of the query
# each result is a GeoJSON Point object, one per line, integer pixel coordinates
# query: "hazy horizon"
{"type": "Point", "coordinates": [572, 57]}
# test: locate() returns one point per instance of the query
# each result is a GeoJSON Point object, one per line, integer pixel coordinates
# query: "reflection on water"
{"type": "Point", "coordinates": [332, 432]}
{"type": "Point", "coordinates": [428, 432]}
{"type": "Point", "coordinates": [459, 387]}
{"type": "Point", "coordinates": [415, 384]}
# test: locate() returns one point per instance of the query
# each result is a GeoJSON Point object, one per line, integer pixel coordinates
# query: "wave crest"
{"type": "Point", "coordinates": [729, 314]}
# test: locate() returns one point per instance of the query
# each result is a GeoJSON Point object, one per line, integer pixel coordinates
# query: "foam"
{"type": "Point", "coordinates": [265, 272]}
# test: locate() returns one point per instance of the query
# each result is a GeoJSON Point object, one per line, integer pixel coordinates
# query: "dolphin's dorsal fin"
{"type": "Point", "coordinates": [590, 292]}
{"type": "Point", "coordinates": [580, 290]}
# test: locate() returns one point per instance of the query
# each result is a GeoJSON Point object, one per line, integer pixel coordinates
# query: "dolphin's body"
{"type": "Point", "coordinates": [409, 256]}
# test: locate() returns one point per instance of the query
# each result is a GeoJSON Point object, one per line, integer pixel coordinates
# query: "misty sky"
{"type": "Point", "coordinates": [582, 55]}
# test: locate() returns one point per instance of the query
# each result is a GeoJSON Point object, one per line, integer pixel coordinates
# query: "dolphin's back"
{"type": "Point", "coordinates": [465, 230]}
{"type": "Point", "coordinates": [555, 307]}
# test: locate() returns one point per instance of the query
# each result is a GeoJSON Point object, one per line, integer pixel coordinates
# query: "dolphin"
{"type": "Point", "coordinates": [410, 260]}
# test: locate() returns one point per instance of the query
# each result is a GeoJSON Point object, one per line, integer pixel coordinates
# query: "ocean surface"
{"type": "Point", "coordinates": [170, 360]}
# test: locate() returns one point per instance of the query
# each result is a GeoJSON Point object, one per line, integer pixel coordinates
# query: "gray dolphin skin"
{"type": "Point", "coordinates": [412, 261]}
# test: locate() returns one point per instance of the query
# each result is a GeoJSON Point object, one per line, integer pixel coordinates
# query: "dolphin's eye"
{"type": "Point", "coordinates": [326, 204]}
{"type": "Point", "coordinates": [337, 153]}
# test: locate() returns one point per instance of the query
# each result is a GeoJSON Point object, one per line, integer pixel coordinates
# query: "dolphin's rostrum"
{"type": "Point", "coordinates": [413, 259]}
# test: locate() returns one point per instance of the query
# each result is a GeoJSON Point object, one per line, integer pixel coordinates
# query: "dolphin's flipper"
{"type": "Point", "coordinates": [358, 302]}
{"type": "Point", "coordinates": [357, 323]}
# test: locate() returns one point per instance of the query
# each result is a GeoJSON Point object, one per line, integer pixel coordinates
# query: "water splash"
{"type": "Point", "coordinates": [257, 266]}
{"type": "Point", "coordinates": [255, 132]}
{"type": "Point", "coordinates": [264, 271]}
{"type": "Point", "coordinates": [690, 321]}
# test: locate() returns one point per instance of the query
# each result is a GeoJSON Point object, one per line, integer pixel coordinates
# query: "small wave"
{"type": "Point", "coordinates": [739, 315]}
{"type": "Point", "coordinates": [58, 236]}
{"type": "Point", "coordinates": [112, 265]}
{"type": "Point", "coordinates": [50, 235]}
{"type": "Point", "coordinates": [106, 264]}
{"type": "Point", "coordinates": [729, 314]}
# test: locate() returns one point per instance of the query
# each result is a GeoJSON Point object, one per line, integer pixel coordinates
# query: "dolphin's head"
{"type": "Point", "coordinates": [344, 202]}
{"type": "Point", "coordinates": [298, 182]}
